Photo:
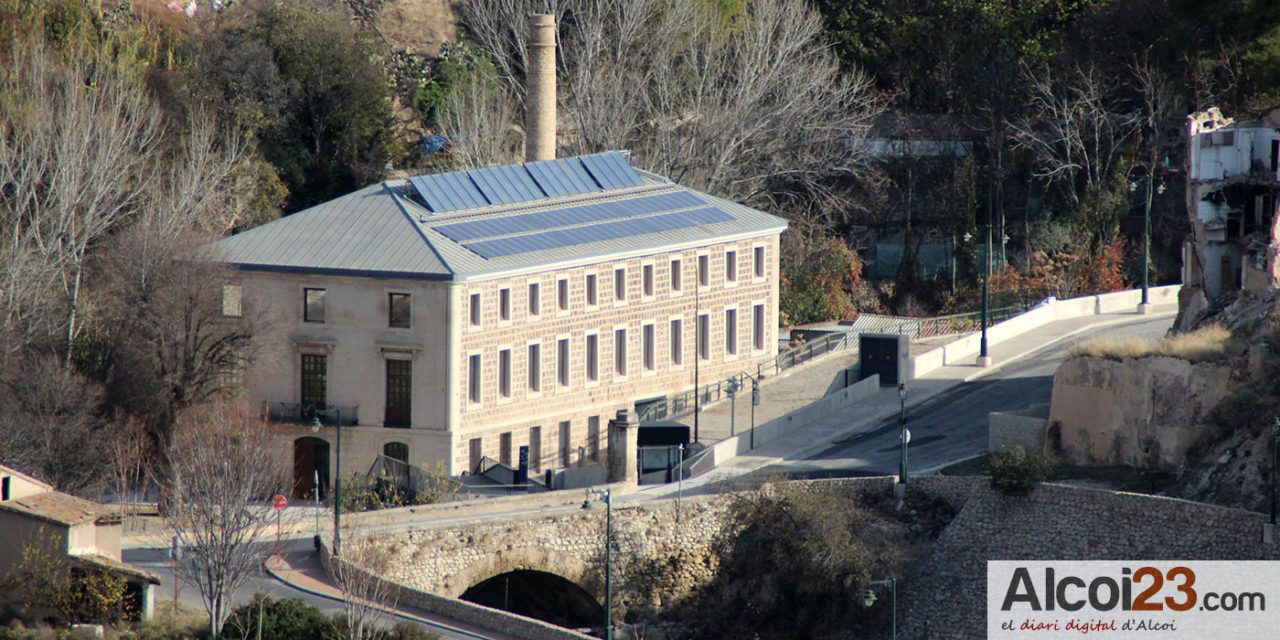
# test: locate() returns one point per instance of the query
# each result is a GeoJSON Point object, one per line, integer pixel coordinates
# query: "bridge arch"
{"type": "Point", "coordinates": [525, 559]}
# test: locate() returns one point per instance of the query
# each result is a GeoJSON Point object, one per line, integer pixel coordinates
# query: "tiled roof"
{"type": "Point", "coordinates": [464, 225]}
{"type": "Point", "coordinates": [111, 564]}
{"type": "Point", "coordinates": [55, 507]}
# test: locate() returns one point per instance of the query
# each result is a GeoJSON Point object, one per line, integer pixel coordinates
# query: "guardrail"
{"type": "Point", "coordinates": [307, 414]}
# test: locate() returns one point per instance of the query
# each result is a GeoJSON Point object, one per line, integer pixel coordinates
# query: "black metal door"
{"type": "Point", "coordinates": [878, 355]}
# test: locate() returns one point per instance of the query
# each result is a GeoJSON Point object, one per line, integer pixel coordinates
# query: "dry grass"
{"type": "Point", "coordinates": [1204, 345]}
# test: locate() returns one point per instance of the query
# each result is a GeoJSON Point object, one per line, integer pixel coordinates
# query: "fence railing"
{"type": "Point", "coordinates": [931, 327]}
{"type": "Point", "coordinates": [305, 414]}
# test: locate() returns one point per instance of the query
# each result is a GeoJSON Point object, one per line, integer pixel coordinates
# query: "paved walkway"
{"type": "Point", "coordinates": [303, 571]}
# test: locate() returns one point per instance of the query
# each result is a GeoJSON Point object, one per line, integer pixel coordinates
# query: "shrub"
{"type": "Point", "coordinates": [1015, 472]}
{"type": "Point", "coordinates": [1208, 344]}
{"type": "Point", "coordinates": [174, 623]}
{"type": "Point", "coordinates": [282, 619]}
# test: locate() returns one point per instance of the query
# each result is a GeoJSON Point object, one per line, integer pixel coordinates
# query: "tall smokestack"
{"type": "Point", "coordinates": [540, 101]}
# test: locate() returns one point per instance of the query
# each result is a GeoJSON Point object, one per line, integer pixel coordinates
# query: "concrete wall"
{"type": "Point", "coordinates": [1143, 412]}
{"type": "Point", "coordinates": [771, 430]}
{"type": "Point", "coordinates": [1025, 429]}
{"type": "Point", "coordinates": [963, 350]}
{"type": "Point", "coordinates": [20, 530]}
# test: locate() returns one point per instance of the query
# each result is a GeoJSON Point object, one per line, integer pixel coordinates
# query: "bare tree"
{"type": "Point", "coordinates": [74, 157]}
{"type": "Point", "coordinates": [1076, 129]}
{"type": "Point", "coordinates": [482, 121]}
{"type": "Point", "coordinates": [131, 459]}
{"type": "Point", "coordinates": [367, 598]}
{"type": "Point", "coordinates": [757, 111]}
{"type": "Point", "coordinates": [222, 469]}
{"type": "Point", "coordinates": [49, 427]}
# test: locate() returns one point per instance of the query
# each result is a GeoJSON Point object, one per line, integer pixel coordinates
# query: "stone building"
{"type": "Point", "coordinates": [463, 315]}
{"type": "Point", "coordinates": [1233, 180]}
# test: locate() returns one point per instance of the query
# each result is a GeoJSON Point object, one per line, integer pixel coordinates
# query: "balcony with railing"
{"type": "Point", "coordinates": [309, 414]}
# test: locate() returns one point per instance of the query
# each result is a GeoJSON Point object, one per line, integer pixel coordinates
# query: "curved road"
{"type": "Point", "coordinates": [953, 426]}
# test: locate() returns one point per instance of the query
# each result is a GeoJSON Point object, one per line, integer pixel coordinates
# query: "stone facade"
{"type": "Point", "coordinates": [1143, 412]}
{"type": "Point", "coordinates": [650, 304]}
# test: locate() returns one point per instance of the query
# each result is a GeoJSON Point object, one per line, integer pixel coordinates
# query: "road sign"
{"type": "Point", "coordinates": [906, 436]}
{"type": "Point", "coordinates": [280, 502]}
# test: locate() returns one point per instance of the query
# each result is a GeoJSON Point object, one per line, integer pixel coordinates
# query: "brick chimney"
{"type": "Point", "coordinates": [540, 98]}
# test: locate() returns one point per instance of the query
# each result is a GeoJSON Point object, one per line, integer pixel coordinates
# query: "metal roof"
{"type": "Point", "coordinates": [478, 223]}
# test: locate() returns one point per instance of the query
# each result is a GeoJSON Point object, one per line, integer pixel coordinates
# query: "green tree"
{"type": "Point", "coordinates": [309, 83]}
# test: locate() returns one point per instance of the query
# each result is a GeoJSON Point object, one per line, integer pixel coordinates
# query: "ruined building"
{"type": "Point", "coordinates": [1233, 180]}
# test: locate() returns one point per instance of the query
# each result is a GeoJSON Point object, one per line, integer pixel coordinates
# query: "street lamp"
{"type": "Point", "coordinates": [607, 496]}
{"type": "Point", "coordinates": [732, 388]}
{"type": "Point", "coordinates": [337, 476]}
{"type": "Point", "coordinates": [1146, 236]}
{"type": "Point", "coordinates": [904, 436]}
{"type": "Point", "coordinates": [870, 599]}
{"type": "Point", "coordinates": [1275, 445]}
{"type": "Point", "coordinates": [984, 357]}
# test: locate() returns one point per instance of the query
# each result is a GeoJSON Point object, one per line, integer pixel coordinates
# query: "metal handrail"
{"type": "Point", "coordinates": [306, 414]}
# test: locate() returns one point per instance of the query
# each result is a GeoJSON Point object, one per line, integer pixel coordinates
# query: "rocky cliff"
{"type": "Point", "coordinates": [1140, 412]}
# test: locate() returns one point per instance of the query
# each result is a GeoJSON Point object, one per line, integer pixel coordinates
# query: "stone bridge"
{"type": "Point", "coordinates": [528, 564]}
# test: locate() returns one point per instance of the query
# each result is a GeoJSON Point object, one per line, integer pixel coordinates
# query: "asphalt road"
{"type": "Point", "coordinates": [157, 561]}
{"type": "Point", "coordinates": [953, 426]}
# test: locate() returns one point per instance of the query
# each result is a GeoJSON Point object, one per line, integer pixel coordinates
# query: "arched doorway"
{"type": "Point", "coordinates": [310, 461]}
{"type": "Point", "coordinates": [538, 594]}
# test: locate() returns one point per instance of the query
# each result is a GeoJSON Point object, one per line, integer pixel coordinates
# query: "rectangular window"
{"type": "Point", "coordinates": [593, 438]}
{"type": "Point", "coordinates": [731, 266]}
{"type": "Point", "coordinates": [231, 295]}
{"type": "Point", "coordinates": [677, 342]}
{"type": "Point", "coordinates": [676, 284]}
{"type": "Point", "coordinates": [757, 326]}
{"type": "Point", "coordinates": [476, 451]}
{"type": "Point", "coordinates": [591, 289]}
{"type": "Point", "coordinates": [562, 362]}
{"type": "Point", "coordinates": [647, 338]}
{"type": "Point", "coordinates": [566, 443]}
{"type": "Point", "coordinates": [473, 377]}
{"type": "Point", "coordinates": [313, 305]}
{"type": "Point", "coordinates": [535, 299]}
{"type": "Point", "coordinates": [731, 331]}
{"type": "Point", "coordinates": [504, 373]}
{"type": "Point", "coordinates": [504, 448]}
{"type": "Point", "coordinates": [620, 352]}
{"type": "Point", "coordinates": [759, 261]}
{"type": "Point", "coordinates": [704, 270]}
{"type": "Point", "coordinates": [399, 393]}
{"type": "Point", "coordinates": [475, 309]}
{"type": "Point", "coordinates": [535, 448]}
{"type": "Point", "coordinates": [704, 336]}
{"type": "Point", "coordinates": [562, 294]}
{"type": "Point", "coordinates": [535, 367]}
{"type": "Point", "coordinates": [620, 284]}
{"type": "Point", "coordinates": [398, 310]}
{"type": "Point", "coordinates": [504, 304]}
{"type": "Point", "coordinates": [647, 278]}
{"type": "Point", "coordinates": [315, 381]}
{"type": "Point", "coordinates": [593, 353]}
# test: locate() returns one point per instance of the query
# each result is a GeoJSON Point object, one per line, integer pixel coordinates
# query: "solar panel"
{"type": "Point", "coordinates": [563, 177]}
{"type": "Point", "coordinates": [611, 170]}
{"type": "Point", "coordinates": [580, 214]}
{"type": "Point", "coordinates": [558, 238]}
{"type": "Point", "coordinates": [504, 185]}
{"type": "Point", "coordinates": [508, 184]}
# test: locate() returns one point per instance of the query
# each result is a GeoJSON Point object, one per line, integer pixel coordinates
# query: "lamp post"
{"type": "Point", "coordinates": [902, 426]}
{"type": "Point", "coordinates": [732, 388]}
{"type": "Point", "coordinates": [607, 495]}
{"type": "Point", "coordinates": [1145, 306]}
{"type": "Point", "coordinates": [870, 599]}
{"type": "Point", "coordinates": [984, 357]}
{"type": "Point", "coordinates": [337, 476]}
{"type": "Point", "coordinates": [755, 402]}
{"type": "Point", "coordinates": [1275, 449]}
